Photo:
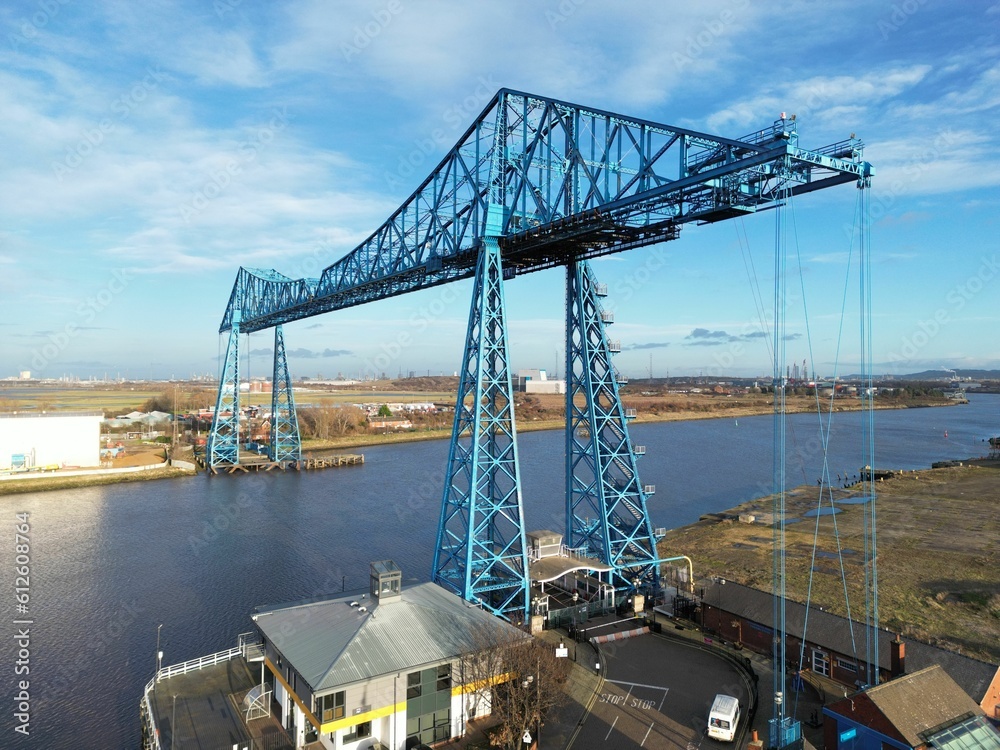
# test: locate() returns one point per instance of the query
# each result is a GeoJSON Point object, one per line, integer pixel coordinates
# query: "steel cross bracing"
{"type": "Point", "coordinates": [606, 513]}
{"type": "Point", "coordinates": [224, 439]}
{"type": "Point", "coordinates": [555, 182]}
{"type": "Point", "coordinates": [481, 552]}
{"type": "Point", "coordinates": [285, 442]}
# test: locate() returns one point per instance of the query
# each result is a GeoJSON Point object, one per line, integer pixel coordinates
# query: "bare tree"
{"type": "Point", "coordinates": [524, 677]}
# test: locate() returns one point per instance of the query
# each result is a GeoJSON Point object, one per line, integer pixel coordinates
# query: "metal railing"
{"type": "Point", "coordinates": [200, 663]}
{"type": "Point", "coordinates": [248, 646]}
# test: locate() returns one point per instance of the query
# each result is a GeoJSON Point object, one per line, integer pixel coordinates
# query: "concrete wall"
{"type": "Point", "coordinates": [45, 439]}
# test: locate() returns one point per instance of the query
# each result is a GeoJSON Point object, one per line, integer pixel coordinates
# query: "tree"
{"type": "Point", "coordinates": [384, 411]}
{"type": "Point", "coordinates": [525, 676]}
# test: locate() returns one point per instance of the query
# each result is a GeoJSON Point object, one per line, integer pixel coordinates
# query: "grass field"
{"type": "Point", "coordinates": [938, 551]}
{"type": "Point", "coordinates": [118, 400]}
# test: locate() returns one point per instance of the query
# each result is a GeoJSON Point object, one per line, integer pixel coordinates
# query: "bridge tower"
{"type": "Point", "coordinates": [224, 439]}
{"type": "Point", "coordinates": [605, 501]}
{"type": "Point", "coordinates": [285, 443]}
{"type": "Point", "coordinates": [481, 552]}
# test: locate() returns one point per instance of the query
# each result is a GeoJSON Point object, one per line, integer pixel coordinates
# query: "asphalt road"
{"type": "Point", "coordinates": [657, 694]}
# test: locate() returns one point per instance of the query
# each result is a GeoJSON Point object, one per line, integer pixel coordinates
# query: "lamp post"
{"type": "Point", "coordinates": [159, 654]}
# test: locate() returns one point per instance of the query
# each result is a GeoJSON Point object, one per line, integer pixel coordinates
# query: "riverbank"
{"type": "Point", "coordinates": [541, 417]}
{"type": "Point", "coordinates": [89, 479]}
{"type": "Point", "coordinates": [937, 552]}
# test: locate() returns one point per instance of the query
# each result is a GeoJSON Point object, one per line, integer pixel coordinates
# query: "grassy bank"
{"type": "Point", "coordinates": [55, 482]}
{"type": "Point", "coordinates": [937, 554]}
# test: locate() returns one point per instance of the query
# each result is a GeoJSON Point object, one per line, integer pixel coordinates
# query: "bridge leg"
{"type": "Point", "coordinates": [605, 501]}
{"type": "Point", "coordinates": [481, 550]}
{"type": "Point", "coordinates": [224, 439]}
{"type": "Point", "coordinates": [285, 443]}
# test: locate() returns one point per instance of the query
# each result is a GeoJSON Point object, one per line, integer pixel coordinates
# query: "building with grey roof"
{"type": "Point", "coordinates": [382, 669]}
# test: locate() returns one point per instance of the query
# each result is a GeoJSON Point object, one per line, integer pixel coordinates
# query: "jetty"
{"type": "Point", "coordinates": [250, 461]}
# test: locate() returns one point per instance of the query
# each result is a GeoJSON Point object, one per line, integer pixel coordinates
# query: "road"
{"type": "Point", "coordinates": [656, 694]}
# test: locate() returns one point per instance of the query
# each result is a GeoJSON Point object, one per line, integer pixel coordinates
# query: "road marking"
{"type": "Point", "coordinates": [646, 736]}
{"type": "Point", "coordinates": [611, 730]}
{"type": "Point", "coordinates": [660, 707]}
{"type": "Point", "coordinates": [638, 684]}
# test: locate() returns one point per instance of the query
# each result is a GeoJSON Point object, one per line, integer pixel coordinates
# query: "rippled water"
{"type": "Point", "coordinates": [197, 554]}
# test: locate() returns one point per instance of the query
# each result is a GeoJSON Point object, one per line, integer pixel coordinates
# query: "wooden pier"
{"type": "Point", "coordinates": [255, 462]}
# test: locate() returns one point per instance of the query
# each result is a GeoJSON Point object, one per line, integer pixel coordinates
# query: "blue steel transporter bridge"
{"type": "Point", "coordinates": [533, 183]}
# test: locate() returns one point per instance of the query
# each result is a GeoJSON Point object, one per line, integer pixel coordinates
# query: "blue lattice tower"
{"type": "Point", "coordinates": [481, 552]}
{"type": "Point", "coordinates": [224, 439]}
{"type": "Point", "coordinates": [605, 501]}
{"type": "Point", "coordinates": [285, 443]}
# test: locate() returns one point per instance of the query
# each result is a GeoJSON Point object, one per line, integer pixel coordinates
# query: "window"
{"type": "Point", "coordinates": [428, 705]}
{"type": "Point", "coordinates": [412, 685]}
{"type": "Point", "coordinates": [821, 663]}
{"type": "Point", "coordinates": [848, 666]}
{"type": "Point", "coordinates": [359, 732]}
{"type": "Point", "coordinates": [333, 707]}
{"type": "Point", "coordinates": [443, 677]}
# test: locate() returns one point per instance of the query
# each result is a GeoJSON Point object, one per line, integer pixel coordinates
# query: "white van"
{"type": "Point", "coordinates": [723, 718]}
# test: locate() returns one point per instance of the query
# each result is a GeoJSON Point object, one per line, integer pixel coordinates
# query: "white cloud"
{"type": "Point", "coordinates": [821, 98]}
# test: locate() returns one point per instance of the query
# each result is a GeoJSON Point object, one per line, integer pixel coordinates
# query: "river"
{"type": "Point", "coordinates": [110, 564]}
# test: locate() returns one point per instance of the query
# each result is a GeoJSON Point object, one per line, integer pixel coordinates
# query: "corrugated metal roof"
{"type": "Point", "coordinates": [330, 643]}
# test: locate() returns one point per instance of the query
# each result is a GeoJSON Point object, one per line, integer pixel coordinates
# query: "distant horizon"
{"type": "Point", "coordinates": [926, 375]}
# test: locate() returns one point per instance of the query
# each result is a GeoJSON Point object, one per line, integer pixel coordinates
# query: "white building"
{"type": "Point", "coordinates": [385, 668]}
{"type": "Point", "coordinates": [537, 381]}
{"type": "Point", "coordinates": [34, 439]}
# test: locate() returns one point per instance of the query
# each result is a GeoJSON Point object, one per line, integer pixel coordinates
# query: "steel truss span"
{"type": "Point", "coordinates": [554, 182]}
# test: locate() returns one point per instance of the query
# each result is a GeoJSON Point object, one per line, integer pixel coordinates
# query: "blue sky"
{"type": "Point", "coordinates": [150, 149]}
